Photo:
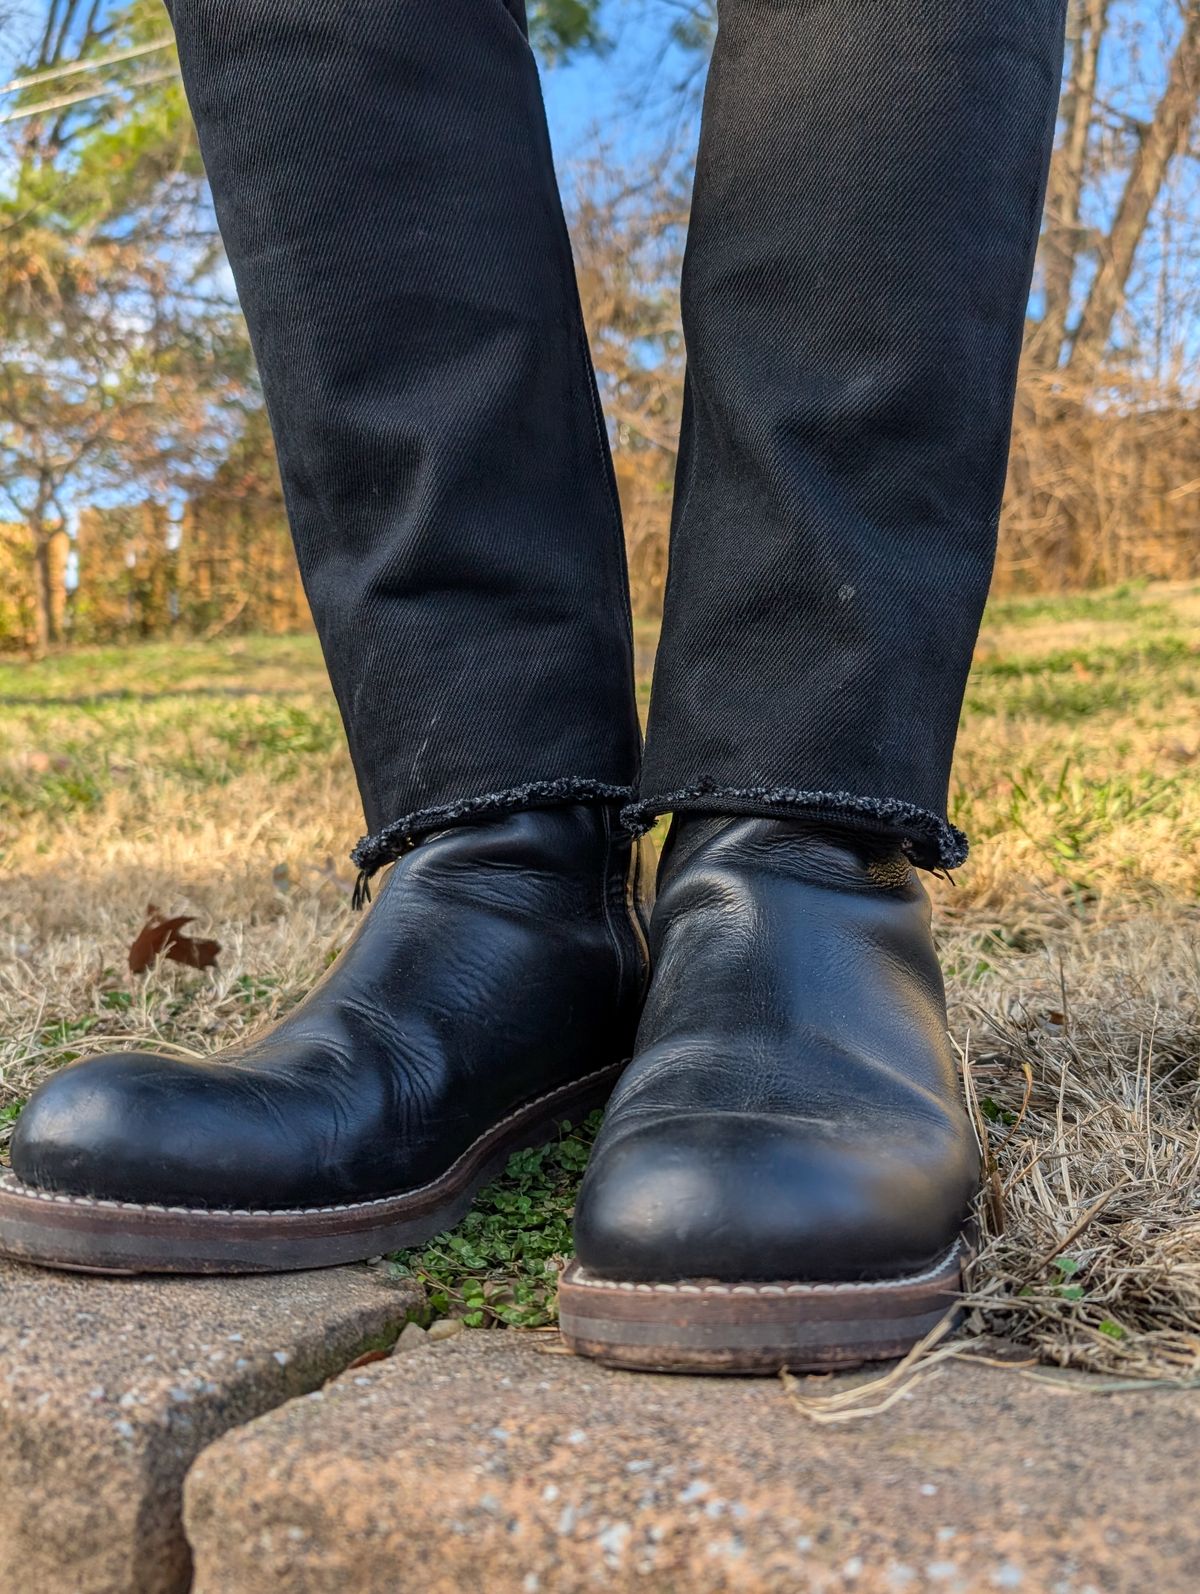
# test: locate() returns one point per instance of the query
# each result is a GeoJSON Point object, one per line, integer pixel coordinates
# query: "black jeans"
{"type": "Point", "coordinates": [866, 208]}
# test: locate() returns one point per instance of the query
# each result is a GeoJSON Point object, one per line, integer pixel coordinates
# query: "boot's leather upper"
{"type": "Point", "coordinates": [792, 1110]}
{"type": "Point", "coordinates": [498, 962]}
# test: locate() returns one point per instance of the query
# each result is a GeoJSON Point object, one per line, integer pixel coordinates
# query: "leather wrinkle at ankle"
{"type": "Point", "coordinates": [810, 859]}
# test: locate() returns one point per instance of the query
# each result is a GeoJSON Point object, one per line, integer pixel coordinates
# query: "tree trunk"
{"type": "Point", "coordinates": [1166, 136]}
{"type": "Point", "coordinates": [45, 606]}
{"type": "Point", "coordinates": [1062, 236]}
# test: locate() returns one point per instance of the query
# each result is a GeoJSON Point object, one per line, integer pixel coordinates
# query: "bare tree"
{"type": "Point", "coordinates": [628, 232]}
{"type": "Point", "coordinates": [1062, 232]}
{"type": "Point", "coordinates": [1159, 142]}
{"type": "Point", "coordinates": [109, 325]}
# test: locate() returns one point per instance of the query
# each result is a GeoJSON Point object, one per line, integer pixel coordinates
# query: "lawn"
{"type": "Point", "coordinates": [210, 778]}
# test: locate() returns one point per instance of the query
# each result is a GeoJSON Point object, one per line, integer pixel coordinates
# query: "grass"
{"type": "Point", "coordinates": [210, 778]}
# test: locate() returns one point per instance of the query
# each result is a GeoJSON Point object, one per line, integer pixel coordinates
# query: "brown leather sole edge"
{"type": "Point", "coordinates": [709, 1327]}
{"type": "Point", "coordinates": [86, 1234]}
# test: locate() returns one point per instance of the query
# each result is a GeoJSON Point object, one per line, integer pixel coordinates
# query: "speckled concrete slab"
{"type": "Point", "coordinates": [491, 1462]}
{"type": "Point", "coordinates": [110, 1387]}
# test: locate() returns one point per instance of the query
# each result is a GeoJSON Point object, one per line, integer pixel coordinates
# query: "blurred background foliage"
{"type": "Point", "coordinates": [138, 493]}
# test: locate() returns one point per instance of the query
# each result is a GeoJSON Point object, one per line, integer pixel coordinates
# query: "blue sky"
{"type": "Point", "coordinates": [624, 95]}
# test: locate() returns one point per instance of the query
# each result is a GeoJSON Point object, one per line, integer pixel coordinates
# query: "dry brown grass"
{"type": "Point", "coordinates": [1070, 938]}
{"type": "Point", "coordinates": [1082, 1061]}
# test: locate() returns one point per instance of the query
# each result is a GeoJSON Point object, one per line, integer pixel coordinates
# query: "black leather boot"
{"type": "Point", "coordinates": [491, 991]}
{"type": "Point", "coordinates": [785, 1170]}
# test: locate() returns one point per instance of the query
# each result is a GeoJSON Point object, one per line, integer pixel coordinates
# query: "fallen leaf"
{"type": "Point", "coordinates": [367, 1357]}
{"type": "Point", "coordinates": [161, 937]}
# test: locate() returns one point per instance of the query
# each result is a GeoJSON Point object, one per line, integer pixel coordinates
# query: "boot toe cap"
{"type": "Point", "coordinates": [92, 1129]}
{"type": "Point", "coordinates": [153, 1130]}
{"type": "Point", "coordinates": [733, 1196]}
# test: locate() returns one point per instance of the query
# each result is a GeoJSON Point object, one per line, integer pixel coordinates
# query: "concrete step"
{"type": "Point", "coordinates": [497, 1461]}
{"type": "Point", "coordinates": [109, 1388]}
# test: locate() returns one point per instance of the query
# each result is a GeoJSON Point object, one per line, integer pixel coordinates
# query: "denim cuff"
{"type": "Point", "coordinates": [929, 841]}
{"type": "Point", "coordinates": [374, 852]}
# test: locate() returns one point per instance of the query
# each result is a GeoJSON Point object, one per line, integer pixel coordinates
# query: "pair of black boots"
{"type": "Point", "coordinates": [785, 1167]}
